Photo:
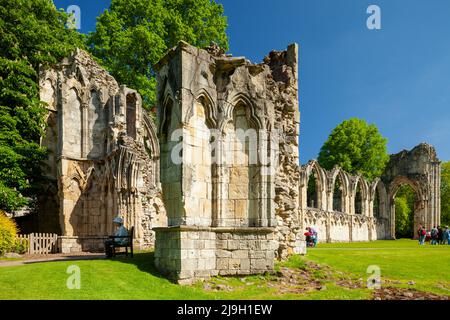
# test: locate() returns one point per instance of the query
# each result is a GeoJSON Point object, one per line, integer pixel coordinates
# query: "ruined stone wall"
{"type": "Point", "coordinates": [217, 116]}
{"type": "Point", "coordinates": [103, 156]}
{"type": "Point", "coordinates": [337, 212]}
{"type": "Point", "coordinates": [371, 214]}
{"type": "Point", "coordinates": [282, 93]}
{"type": "Point", "coordinates": [419, 168]}
{"type": "Point", "coordinates": [218, 176]}
{"type": "Point", "coordinates": [199, 252]}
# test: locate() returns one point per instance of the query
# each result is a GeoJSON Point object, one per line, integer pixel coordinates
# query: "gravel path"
{"type": "Point", "coordinates": [28, 258]}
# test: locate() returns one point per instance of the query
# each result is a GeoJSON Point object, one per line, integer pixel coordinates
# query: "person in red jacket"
{"type": "Point", "coordinates": [421, 232]}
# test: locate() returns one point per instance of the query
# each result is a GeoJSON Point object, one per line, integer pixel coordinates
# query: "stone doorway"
{"type": "Point", "coordinates": [405, 201]}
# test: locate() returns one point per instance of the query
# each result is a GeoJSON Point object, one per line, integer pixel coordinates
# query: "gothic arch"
{"type": "Point", "coordinates": [421, 169]}
{"type": "Point", "coordinates": [337, 174]}
{"type": "Point", "coordinates": [241, 99]}
{"type": "Point", "coordinates": [419, 203]}
{"type": "Point", "coordinates": [204, 98]}
{"type": "Point", "coordinates": [321, 180]}
{"type": "Point", "coordinates": [152, 137]}
{"type": "Point", "coordinates": [380, 209]}
{"type": "Point", "coordinates": [359, 183]}
{"type": "Point", "coordinates": [414, 184]}
{"type": "Point", "coordinates": [166, 118]}
{"type": "Point", "coordinates": [166, 112]}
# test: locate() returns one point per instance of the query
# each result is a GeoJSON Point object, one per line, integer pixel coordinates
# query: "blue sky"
{"type": "Point", "coordinates": [397, 77]}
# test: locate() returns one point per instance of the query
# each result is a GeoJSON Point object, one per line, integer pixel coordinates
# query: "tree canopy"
{"type": "Point", "coordinates": [133, 35]}
{"type": "Point", "coordinates": [32, 36]}
{"type": "Point", "coordinates": [356, 147]}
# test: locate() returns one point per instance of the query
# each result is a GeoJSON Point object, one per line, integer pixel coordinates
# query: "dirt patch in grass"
{"type": "Point", "coordinates": [310, 276]}
{"type": "Point", "coordinates": [289, 280]}
{"type": "Point", "coordinates": [392, 293]}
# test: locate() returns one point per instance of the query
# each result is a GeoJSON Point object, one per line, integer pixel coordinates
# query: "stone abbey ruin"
{"type": "Point", "coordinates": [215, 185]}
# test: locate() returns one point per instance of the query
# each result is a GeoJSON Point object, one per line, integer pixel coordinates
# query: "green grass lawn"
{"type": "Point", "coordinates": [400, 260]}
{"type": "Point", "coordinates": [125, 278]}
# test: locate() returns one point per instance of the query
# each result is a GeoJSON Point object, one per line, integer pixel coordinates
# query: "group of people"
{"type": "Point", "coordinates": [311, 237]}
{"type": "Point", "coordinates": [437, 235]}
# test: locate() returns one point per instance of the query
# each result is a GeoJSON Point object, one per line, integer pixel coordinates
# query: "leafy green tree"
{"type": "Point", "coordinates": [133, 35]}
{"type": "Point", "coordinates": [445, 194]}
{"type": "Point", "coordinates": [356, 147]}
{"type": "Point", "coordinates": [32, 36]}
{"type": "Point", "coordinates": [404, 212]}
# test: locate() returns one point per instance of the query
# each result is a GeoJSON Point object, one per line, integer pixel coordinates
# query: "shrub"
{"type": "Point", "coordinates": [20, 246]}
{"type": "Point", "coordinates": [8, 232]}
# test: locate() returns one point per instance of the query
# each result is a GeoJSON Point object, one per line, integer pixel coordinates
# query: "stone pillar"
{"type": "Point", "coordinates": [213, 229]}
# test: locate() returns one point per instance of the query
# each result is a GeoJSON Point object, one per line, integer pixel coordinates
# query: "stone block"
{"type": "Point", "coordinates": [234, 264]}
{"type": "Point", "coordinates": [207, 253]}
{"type": "Point", "coordinates": [240, 254]}
{"type": "Point", "coordinates": [233, 244]}
{"type": "Point", "coordinates": [223, 253]}
{"type": "Point", "coordinates": [189, 264]}
{"type": "Point", "coordinates": [258, 264]}
{"type": "Point", "coordinates": [238, 191]}
{"type": "Point", "coordinates": [245, 265]}
{"type": "Point", "coordinates": [257, 254]}
{"type": "Point", "coordinates": [222, 263]}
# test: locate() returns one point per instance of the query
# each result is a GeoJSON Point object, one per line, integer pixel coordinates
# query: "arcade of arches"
{"type": "Point", "coordinates": [343, 207]}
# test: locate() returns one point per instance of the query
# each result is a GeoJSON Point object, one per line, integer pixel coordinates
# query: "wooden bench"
{"type": "Point", "coordinates": [127, 244]}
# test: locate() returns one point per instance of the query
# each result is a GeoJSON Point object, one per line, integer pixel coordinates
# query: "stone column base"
{"type": "Point", "coordinates": [73, 244]}
{"type": "Point", "coordinates": [186, 254]}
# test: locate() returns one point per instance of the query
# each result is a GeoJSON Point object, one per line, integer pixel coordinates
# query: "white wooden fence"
{"type": "Point", "coordinates": [40, 243]}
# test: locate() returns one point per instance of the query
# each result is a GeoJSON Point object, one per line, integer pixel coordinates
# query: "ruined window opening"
{"type": "Point", "coordinates": [377, 203]}
{"type": "Point", "coordinates": [338, 195]}
{"type": "Point", "coordinates": [131, 115]}
{"type": "Point", "coordinates": [358, 200]}
{"type": "Point", "coordinates": [312, 193]}
{"type": "Point", "coordinates": [167, 121]}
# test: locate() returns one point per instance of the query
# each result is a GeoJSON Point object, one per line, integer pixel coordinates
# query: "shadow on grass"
{"type": "Point", "coordinates": [144, 261]}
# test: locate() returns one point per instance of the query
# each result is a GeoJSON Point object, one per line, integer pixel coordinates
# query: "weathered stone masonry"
{"type": "Point", "coordinates": [211, 198]}
{"type": "Point", "coordinates": [216, 184]}
{"type": "Point", "coordinates": [103, 157]}
{"type": "Point", "coordinates": [350, 208]}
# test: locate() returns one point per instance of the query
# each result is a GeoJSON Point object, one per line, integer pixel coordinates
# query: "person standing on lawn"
{"type": "Point", "coordinates": [313, 236]}
{"type": "Point", "coordinates": [446, 235]}
{"type": "Point", "coordinates": [421, 232]}
{"type": "Point", "coordinates": [440, 235]}
{"type": "Point", "coordinates": [434, 235]}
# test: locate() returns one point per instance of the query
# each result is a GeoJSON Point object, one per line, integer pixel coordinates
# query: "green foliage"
{"type": "Point", "coordinates": [404, 212]}
{"type": "Point", "coordinates": [445, 194]}
{"type": "Point", "coordinates": [356, 147]}
{"type": "Point", "coordinates": [133, 35]}
{"type": "Point", "coordinates": [20, 246]}
{"type": "Point", "coordinates": [32, 36]}
{"type": "Point", "coordinates": [8, 231]}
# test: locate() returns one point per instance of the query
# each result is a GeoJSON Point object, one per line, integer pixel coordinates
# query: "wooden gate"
{"type": "Point", "coordinates": [40, 243]}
